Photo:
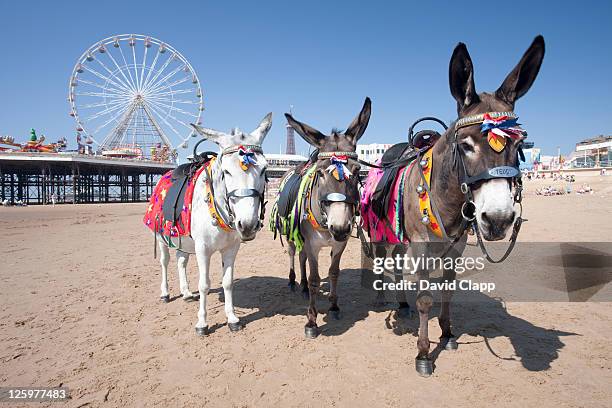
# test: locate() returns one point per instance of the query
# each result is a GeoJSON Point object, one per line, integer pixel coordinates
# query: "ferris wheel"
{"type": "Point", "coordinates": [134, 95]}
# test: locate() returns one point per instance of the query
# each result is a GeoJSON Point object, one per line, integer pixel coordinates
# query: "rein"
{"type": "Point", "coordinates": [508, 121]}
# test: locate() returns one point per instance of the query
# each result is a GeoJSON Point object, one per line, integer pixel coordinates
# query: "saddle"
{"type": "Point", "coordinates": [171, 208]}
{"type": "Point", "coordinates": [179, 178]}
{"type": "Point", "coordinates": [288, 194]}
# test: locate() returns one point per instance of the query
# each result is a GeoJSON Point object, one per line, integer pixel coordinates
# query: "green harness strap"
{"type": "Point", "coordinates": [290, 226]}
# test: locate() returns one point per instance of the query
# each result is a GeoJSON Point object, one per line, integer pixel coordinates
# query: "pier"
{"type": "Point", "coordinates": [36, 178]}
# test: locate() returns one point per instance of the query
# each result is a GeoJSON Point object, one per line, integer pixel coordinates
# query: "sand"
{"type": "Point", "coordinates": [80, 308]}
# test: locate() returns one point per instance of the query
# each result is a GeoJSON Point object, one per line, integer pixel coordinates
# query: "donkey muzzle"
{"type": "Point", "coordinates": [495, 224]}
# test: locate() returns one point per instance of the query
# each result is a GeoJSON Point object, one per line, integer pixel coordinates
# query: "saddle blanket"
{"type": "Point", "coordinates": [390, 228]}
{"type": "Point", "coordinates": [154, 217]}
{"type": "Point", "coordinates": [289, 209]}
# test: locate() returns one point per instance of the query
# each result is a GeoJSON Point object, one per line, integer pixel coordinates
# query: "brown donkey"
{"type": "Point", "coordinates": [472, 179]}
{"type": "Point", "coordinates": [326, 210]}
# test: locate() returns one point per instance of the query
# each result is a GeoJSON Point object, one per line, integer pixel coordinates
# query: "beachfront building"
{"type": "Point", "coordinates": [372, 152]}
{"type": "Point", "coordinates": [278, 164]}
{"type": "Point", "coordinates": [593, 152]}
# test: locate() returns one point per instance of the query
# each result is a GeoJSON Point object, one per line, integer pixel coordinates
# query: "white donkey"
{"type": "Point", "coordinates": [221, 224]}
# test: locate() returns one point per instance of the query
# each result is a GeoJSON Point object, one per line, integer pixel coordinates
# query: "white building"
{"type": "Point", "coordinates": [278, 164]}
{"type": "Point", "coordinates": [372, 152]}
{"type": "Point", "coordinates": [593, 152]}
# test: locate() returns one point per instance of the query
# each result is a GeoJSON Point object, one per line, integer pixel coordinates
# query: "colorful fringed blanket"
{"type": "Point", "coordinates": [154, 217]}
{"type": "Point", "coordinates": [390, 228]}
{"type": "Point", "coordinates": [289, 226]}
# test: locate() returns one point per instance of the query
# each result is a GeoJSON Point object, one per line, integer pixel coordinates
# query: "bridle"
{"type": "Point", "coordinates": [337, 158]}
{"type": "Point", "coordinates": [467, 182]}
{"type": "Point", "coordinates": [246, 153]}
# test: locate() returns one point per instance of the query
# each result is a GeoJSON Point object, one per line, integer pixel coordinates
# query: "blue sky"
{"type": "Point", "coordinates": [323, 57]}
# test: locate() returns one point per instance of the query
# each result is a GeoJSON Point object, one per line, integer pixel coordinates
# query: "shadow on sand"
{"type": "Point", "coordinates": [535, 347]}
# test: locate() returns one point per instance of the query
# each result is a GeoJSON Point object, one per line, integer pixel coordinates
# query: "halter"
{"type": "Point", "coordinates": [502, 125]}
{"type": "Point", "coordinates": [340, 172]}
{"type": "Point", "coordinates": [246, 158]}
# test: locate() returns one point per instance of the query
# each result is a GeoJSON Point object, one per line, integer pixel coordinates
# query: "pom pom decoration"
{"type": "Point", "coordinates": [499, 129]}
{"type": "Point", "coordinates": [338, 168]}
{"type": "Point", "coordinates": [246, 157]}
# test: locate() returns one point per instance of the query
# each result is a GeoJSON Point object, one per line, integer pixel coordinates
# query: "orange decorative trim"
{"type": "Point", "coordinates": [424, 199]}
{"type": "Point", "coordinates": [210, 199]}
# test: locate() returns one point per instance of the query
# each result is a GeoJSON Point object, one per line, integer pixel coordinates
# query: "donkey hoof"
{"type": "Point", "coordinates": [189, 298]}
{"type": "Point", "coordinates": [334, 314]}
{"type": "Point", "coordinates": [202, 331]}
{"type": "Point", "coordinates": [292, 286]}
{"type": "Point", "coordinates": [306, 295]}
{"type": "Point", "coordinates": [311, 332]}
{"type": "Point", "coordinates": [235, 327]}
{"type": "Point", "coordinates": [450, 343]}
{"type": "Point", "coordinates": [424, 366]}
{"type": "Point", "coordinates": [403, 312]}
{"type": "Point", "coordinates": [165, 298]}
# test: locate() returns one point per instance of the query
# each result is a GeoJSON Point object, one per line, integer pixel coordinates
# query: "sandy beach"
{"type": "Point", "coordinates": [81, 309]}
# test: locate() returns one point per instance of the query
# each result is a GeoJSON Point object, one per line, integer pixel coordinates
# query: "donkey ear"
{"type": "Point", "coordinates": [220, 138]}
{"type": "Point", "coordinates": [520, 79]}
{"type": "Point", "coordinates": [358, 126]}
{"type": "Point", "coordinates": [309, 134]}
{"type": "Point", "coordinates": [461, 78]}
{"type": "Point", "coordinates": [262, 130]}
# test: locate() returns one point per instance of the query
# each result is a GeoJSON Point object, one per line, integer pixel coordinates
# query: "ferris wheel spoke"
{"type": "Point", "coordinates": [154, 81]}
{"type": "Point", "coordinates": [112, 118]}
{"type": "Point", "coordinates": [176, 92]}
{"type": "Point", "coordinates": [106, 111]}
{"type": "Point", "coordinates": [158, 73]}
{"type": "Point", "coordinates": [163, 85]}
{"type": "Point", "coordinates": [169, 114]}
{"type": "Point", "coordinates": [97, 94]}
{"type": "Point", "coordinates": [108, 89]}
{"type": "Point", "coordinates": [101, 76]}
{"type": "Point", "coordinates": [174, 108]}
{"type": "Point", "coordinates": [127, 68]}
{"type": "Point", "coordinates": [152, 68]}
{"type": "Point", "coordinates": [135, 66]}
{"type": "Point", "coordinates": [162, 115]}
{"type": "Point", "coordinates": [100, 104]}
{"type": "Point", "coordinates": [169, 85]}
{"type": "Point", "coordinates": [160, 82]}
{"type": "Point", "coordinates": [144, 64]}
{"type": "Point", "coordinates": [178, 101]}
{"type": "Point", "coordinates": [107, 79]}
{"type": "Point", "coordinates": [120, 70]}
{"type": "Point", "coordinates": [126, 86]}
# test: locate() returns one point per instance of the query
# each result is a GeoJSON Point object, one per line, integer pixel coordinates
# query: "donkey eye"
{"type": "Point", "coordinates": [468, 147]}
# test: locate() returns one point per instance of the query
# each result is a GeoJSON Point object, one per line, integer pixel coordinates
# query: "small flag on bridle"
{"type": "Point", "coordinates": [338, 167]}
{"type": "Point", "coordinates": [247, 157]}
{"type": "Point", "coordinates": [499, 129]}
